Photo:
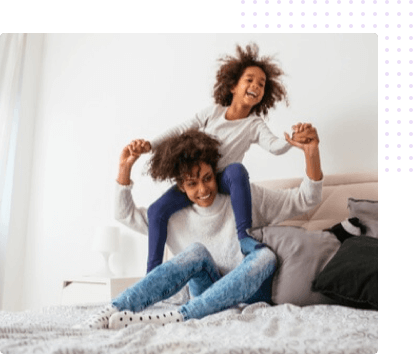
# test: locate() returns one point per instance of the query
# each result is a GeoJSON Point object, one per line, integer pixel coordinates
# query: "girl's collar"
{"type": "Point", "coordinates": [236, 119]}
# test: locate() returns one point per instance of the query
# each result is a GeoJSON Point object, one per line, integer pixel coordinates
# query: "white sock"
{"type": "Point", "coordinates": [99, 320]}
{"type": "Point", "coordinates": [124, 318]}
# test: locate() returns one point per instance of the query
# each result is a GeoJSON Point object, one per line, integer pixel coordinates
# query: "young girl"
{"type": "Point", "coordinates": [246, 88]}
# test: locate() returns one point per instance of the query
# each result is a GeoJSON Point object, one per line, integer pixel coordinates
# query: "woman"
{"type": "Point", "coordinates": [202, 235]}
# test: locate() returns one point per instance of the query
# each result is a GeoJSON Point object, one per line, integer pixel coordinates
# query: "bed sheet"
{"type": "Point", "coordinates": [257, 328]}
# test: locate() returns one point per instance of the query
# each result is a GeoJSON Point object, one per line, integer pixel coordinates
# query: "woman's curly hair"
{"type": "Point", "coordinates": [232, 69]}
{"type": "Point", "coordinates": [175, 157]}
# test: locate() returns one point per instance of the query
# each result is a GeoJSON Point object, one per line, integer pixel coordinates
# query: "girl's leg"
{"type": "Point", "coordinates": [158, 216]}
{"type": "Point", "coordinates": [234, 180]}
{"type": "Point", "coordinates": [249, 282]}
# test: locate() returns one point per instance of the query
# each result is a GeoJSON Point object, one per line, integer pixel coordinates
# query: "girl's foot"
{"type": "Point", "coordinates": [248, 245]}
{"type": "Point", "coordinates": [100, 320]}
{"type": "Point", "coordinates": [124, 319]}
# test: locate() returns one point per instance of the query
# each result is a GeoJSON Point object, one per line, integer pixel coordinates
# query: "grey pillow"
{"type": "Point", "coordinates": [301, 256]}
{"type": "Point", "coordinates": [367, 212]}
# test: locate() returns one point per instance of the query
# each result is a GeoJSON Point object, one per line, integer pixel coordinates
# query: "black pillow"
{"type": "Point", "coordinates": [351, 276]}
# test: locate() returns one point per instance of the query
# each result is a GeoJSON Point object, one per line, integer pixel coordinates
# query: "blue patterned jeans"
{"type": "Point", "coordinates": [250, 282]}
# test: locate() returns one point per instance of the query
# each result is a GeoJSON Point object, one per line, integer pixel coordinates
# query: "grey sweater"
{"type": "Point", "coordinates": [236, 136]}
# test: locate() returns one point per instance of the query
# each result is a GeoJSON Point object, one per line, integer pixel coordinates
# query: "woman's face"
{"type": "Point", "coordinates": [201, 187]}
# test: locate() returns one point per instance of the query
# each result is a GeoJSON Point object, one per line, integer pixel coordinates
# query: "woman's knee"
{"type": "Point", "coordinates": [267, 258]}
{"type": "Point", "coordinates": [261, 263]}
{"type": "Point", "coordinates": [199, 250]}
{"type": "Point", "coordinates": [195, 257]}
{"type": "Point", "coordinates": [197, 253]}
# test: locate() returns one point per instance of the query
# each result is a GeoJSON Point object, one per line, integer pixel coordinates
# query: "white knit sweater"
{"type": "Point", "coordinates": [214, 226]}
{"type": "Point", "coordinates": [236, 136]}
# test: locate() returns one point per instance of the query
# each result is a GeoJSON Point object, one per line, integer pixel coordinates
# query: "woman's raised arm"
{"type": "Point", "coordinates": [128, 157]}
{"type": "Point", "coordinates": [305, 137]}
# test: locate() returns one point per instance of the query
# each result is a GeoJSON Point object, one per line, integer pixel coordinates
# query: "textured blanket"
{"type": "Point", "coordinates": [256, 328]}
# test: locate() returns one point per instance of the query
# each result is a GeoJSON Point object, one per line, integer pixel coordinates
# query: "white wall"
{"type": "Point", "coordinates": [98, 92]}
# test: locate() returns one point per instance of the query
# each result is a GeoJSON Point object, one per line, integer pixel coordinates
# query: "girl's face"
{"type": "Point", "coordinates": [201, 187]}
{"type": "Point", "coordinates": [250, 87]}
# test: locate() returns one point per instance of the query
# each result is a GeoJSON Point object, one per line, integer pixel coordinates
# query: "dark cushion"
{"type": "Point", "coordinates": [351, 277]}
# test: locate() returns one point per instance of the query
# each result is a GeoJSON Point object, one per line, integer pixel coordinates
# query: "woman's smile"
{"type": "Point", "coordinates": [201, 186]}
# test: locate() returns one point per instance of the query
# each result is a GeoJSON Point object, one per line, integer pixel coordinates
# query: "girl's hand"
{"type": "Point", "coordinates": [300, 127]}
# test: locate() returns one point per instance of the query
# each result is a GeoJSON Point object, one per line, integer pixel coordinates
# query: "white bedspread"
{"type": "Point", "coordinates": [256, 328]}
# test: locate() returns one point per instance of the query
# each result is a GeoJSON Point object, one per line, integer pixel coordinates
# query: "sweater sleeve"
{"type": "Point", "coordinates": [197, 122]}
{"type": "Point", "coordinates": [268, 141]}
{"type": "Point", "coordinates": [273, 207]}
{"type": "Point", "coordinates": [127, 213]}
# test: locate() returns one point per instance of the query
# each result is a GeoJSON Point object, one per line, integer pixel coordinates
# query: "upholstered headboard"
{"type": "Point", "coordinates": [336, 191]}
{"type": "Point", "coordinates": [333, 208]}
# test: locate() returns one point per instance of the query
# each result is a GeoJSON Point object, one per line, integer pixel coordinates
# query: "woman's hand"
{"type": "Point", "coordinates": [128, 157]}
{"type": "Point", "coordinates": [305, 137]}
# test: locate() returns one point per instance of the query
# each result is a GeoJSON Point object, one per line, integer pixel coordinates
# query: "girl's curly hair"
{"type": "Point", "coordinates": [175, 157]}
{"type": "Point", "coordinates": [232, 69]}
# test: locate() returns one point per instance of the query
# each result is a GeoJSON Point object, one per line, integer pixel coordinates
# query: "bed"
{"type": "Point", "coordinates": [306, 320]}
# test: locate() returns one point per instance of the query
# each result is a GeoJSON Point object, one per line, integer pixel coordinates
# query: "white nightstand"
{"type": "Point", "coordinates": [84, 290]}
